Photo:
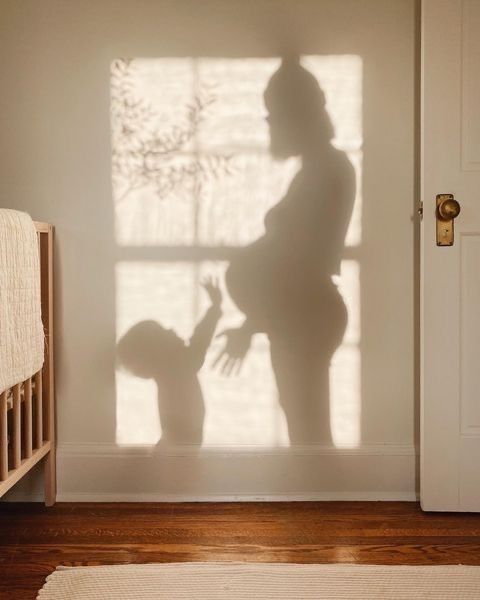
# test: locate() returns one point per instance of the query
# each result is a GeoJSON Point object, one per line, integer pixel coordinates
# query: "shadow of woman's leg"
{"type": "Point", "coordinates": [303, 390]}
{"type": "Point", "coordinates": [301, 352]}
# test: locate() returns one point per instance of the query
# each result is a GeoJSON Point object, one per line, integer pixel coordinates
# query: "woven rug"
{"type": "Point", "coordinates": [246, 581]}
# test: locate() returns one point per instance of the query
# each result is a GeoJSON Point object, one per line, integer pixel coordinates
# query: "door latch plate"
{"type": "Point", "coordinates": [445, 218]}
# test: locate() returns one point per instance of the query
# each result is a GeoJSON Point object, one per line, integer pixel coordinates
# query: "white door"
{"type": "Point", "coordinates": [450, 276]}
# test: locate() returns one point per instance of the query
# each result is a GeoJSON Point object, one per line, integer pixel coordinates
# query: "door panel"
{"type": "Point", "coordinates": [470, 85]}
{"type": "Point", "coordinates": [469, 335]}
{"type": "Point", "coordinates": [450, 415]}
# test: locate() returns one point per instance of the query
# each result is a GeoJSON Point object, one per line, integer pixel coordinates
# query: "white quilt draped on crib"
{"type": "Point", "coordinates": [21, 330]}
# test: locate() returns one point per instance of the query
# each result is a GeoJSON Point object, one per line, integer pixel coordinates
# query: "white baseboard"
{"type": "Point", "coordinates": [116, 450]}
{"type": "Point", "coordinates": [110, 473]}
{"type": "Point", "coordinates": [319, 497]}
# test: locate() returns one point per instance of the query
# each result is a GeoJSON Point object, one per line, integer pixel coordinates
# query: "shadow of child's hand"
{"type": "Point", "coordinates": [210, 285]}
{"type": "Point", "coordinates": [230, 359]}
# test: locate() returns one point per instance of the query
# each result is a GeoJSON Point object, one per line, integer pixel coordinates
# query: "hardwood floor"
{"type": "Point", "coordinates": [34, 540]}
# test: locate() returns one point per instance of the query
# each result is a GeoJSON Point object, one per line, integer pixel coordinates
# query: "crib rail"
{"type": "Point", "coordinates": [27, 410]}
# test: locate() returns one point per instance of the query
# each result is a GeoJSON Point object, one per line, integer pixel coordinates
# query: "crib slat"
{"type": "Point", "coordinates": [17, 428]}
{"type": "Point", "coordinates": [38, 410]}
{"type": "Point", "coordinates": [3, 437]}
{"type": "Point", "coordinates": [27, 392]}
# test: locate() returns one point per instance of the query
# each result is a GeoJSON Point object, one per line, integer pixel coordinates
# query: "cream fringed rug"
{"type": "Point", "coordinates": [246, 581]}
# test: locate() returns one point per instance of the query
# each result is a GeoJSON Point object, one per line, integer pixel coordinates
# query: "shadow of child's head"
{"type": "Point", "coordinates": [147, 350]}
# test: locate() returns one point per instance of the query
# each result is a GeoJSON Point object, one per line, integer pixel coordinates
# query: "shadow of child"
{"type": "Point", "coordinates": [150, 351]}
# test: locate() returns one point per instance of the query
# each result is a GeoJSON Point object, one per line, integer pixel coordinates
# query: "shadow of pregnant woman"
{"type": "Point", "coordinates": [283, 281]}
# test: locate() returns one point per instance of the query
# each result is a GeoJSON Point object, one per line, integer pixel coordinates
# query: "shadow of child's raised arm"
{"type": "Point", "coordinates": [203, 334]}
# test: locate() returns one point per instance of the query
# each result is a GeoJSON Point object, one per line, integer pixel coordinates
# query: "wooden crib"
{"type": "Point", "coordinates": [27, 410]}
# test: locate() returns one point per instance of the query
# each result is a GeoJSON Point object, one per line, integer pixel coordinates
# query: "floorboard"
{"type": "Point", "coordinates": [34, 539]}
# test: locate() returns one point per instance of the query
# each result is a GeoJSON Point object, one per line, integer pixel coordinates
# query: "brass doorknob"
{"type": "Point", "coordinates": [448, 209]}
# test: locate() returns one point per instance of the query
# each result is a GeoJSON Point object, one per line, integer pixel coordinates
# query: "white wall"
{"type": "Point", "coordinates": [56, 165]}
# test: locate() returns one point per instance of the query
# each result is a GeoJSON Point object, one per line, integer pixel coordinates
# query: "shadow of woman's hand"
{"type": "Point", "coordinates": [230, 359]}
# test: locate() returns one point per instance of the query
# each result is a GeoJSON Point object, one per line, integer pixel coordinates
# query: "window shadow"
{"type": "Point", "coordinates": [283, 282]}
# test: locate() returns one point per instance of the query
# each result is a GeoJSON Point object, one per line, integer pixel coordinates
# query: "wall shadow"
{"type": "Point", "coordinates": [282, 282]}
